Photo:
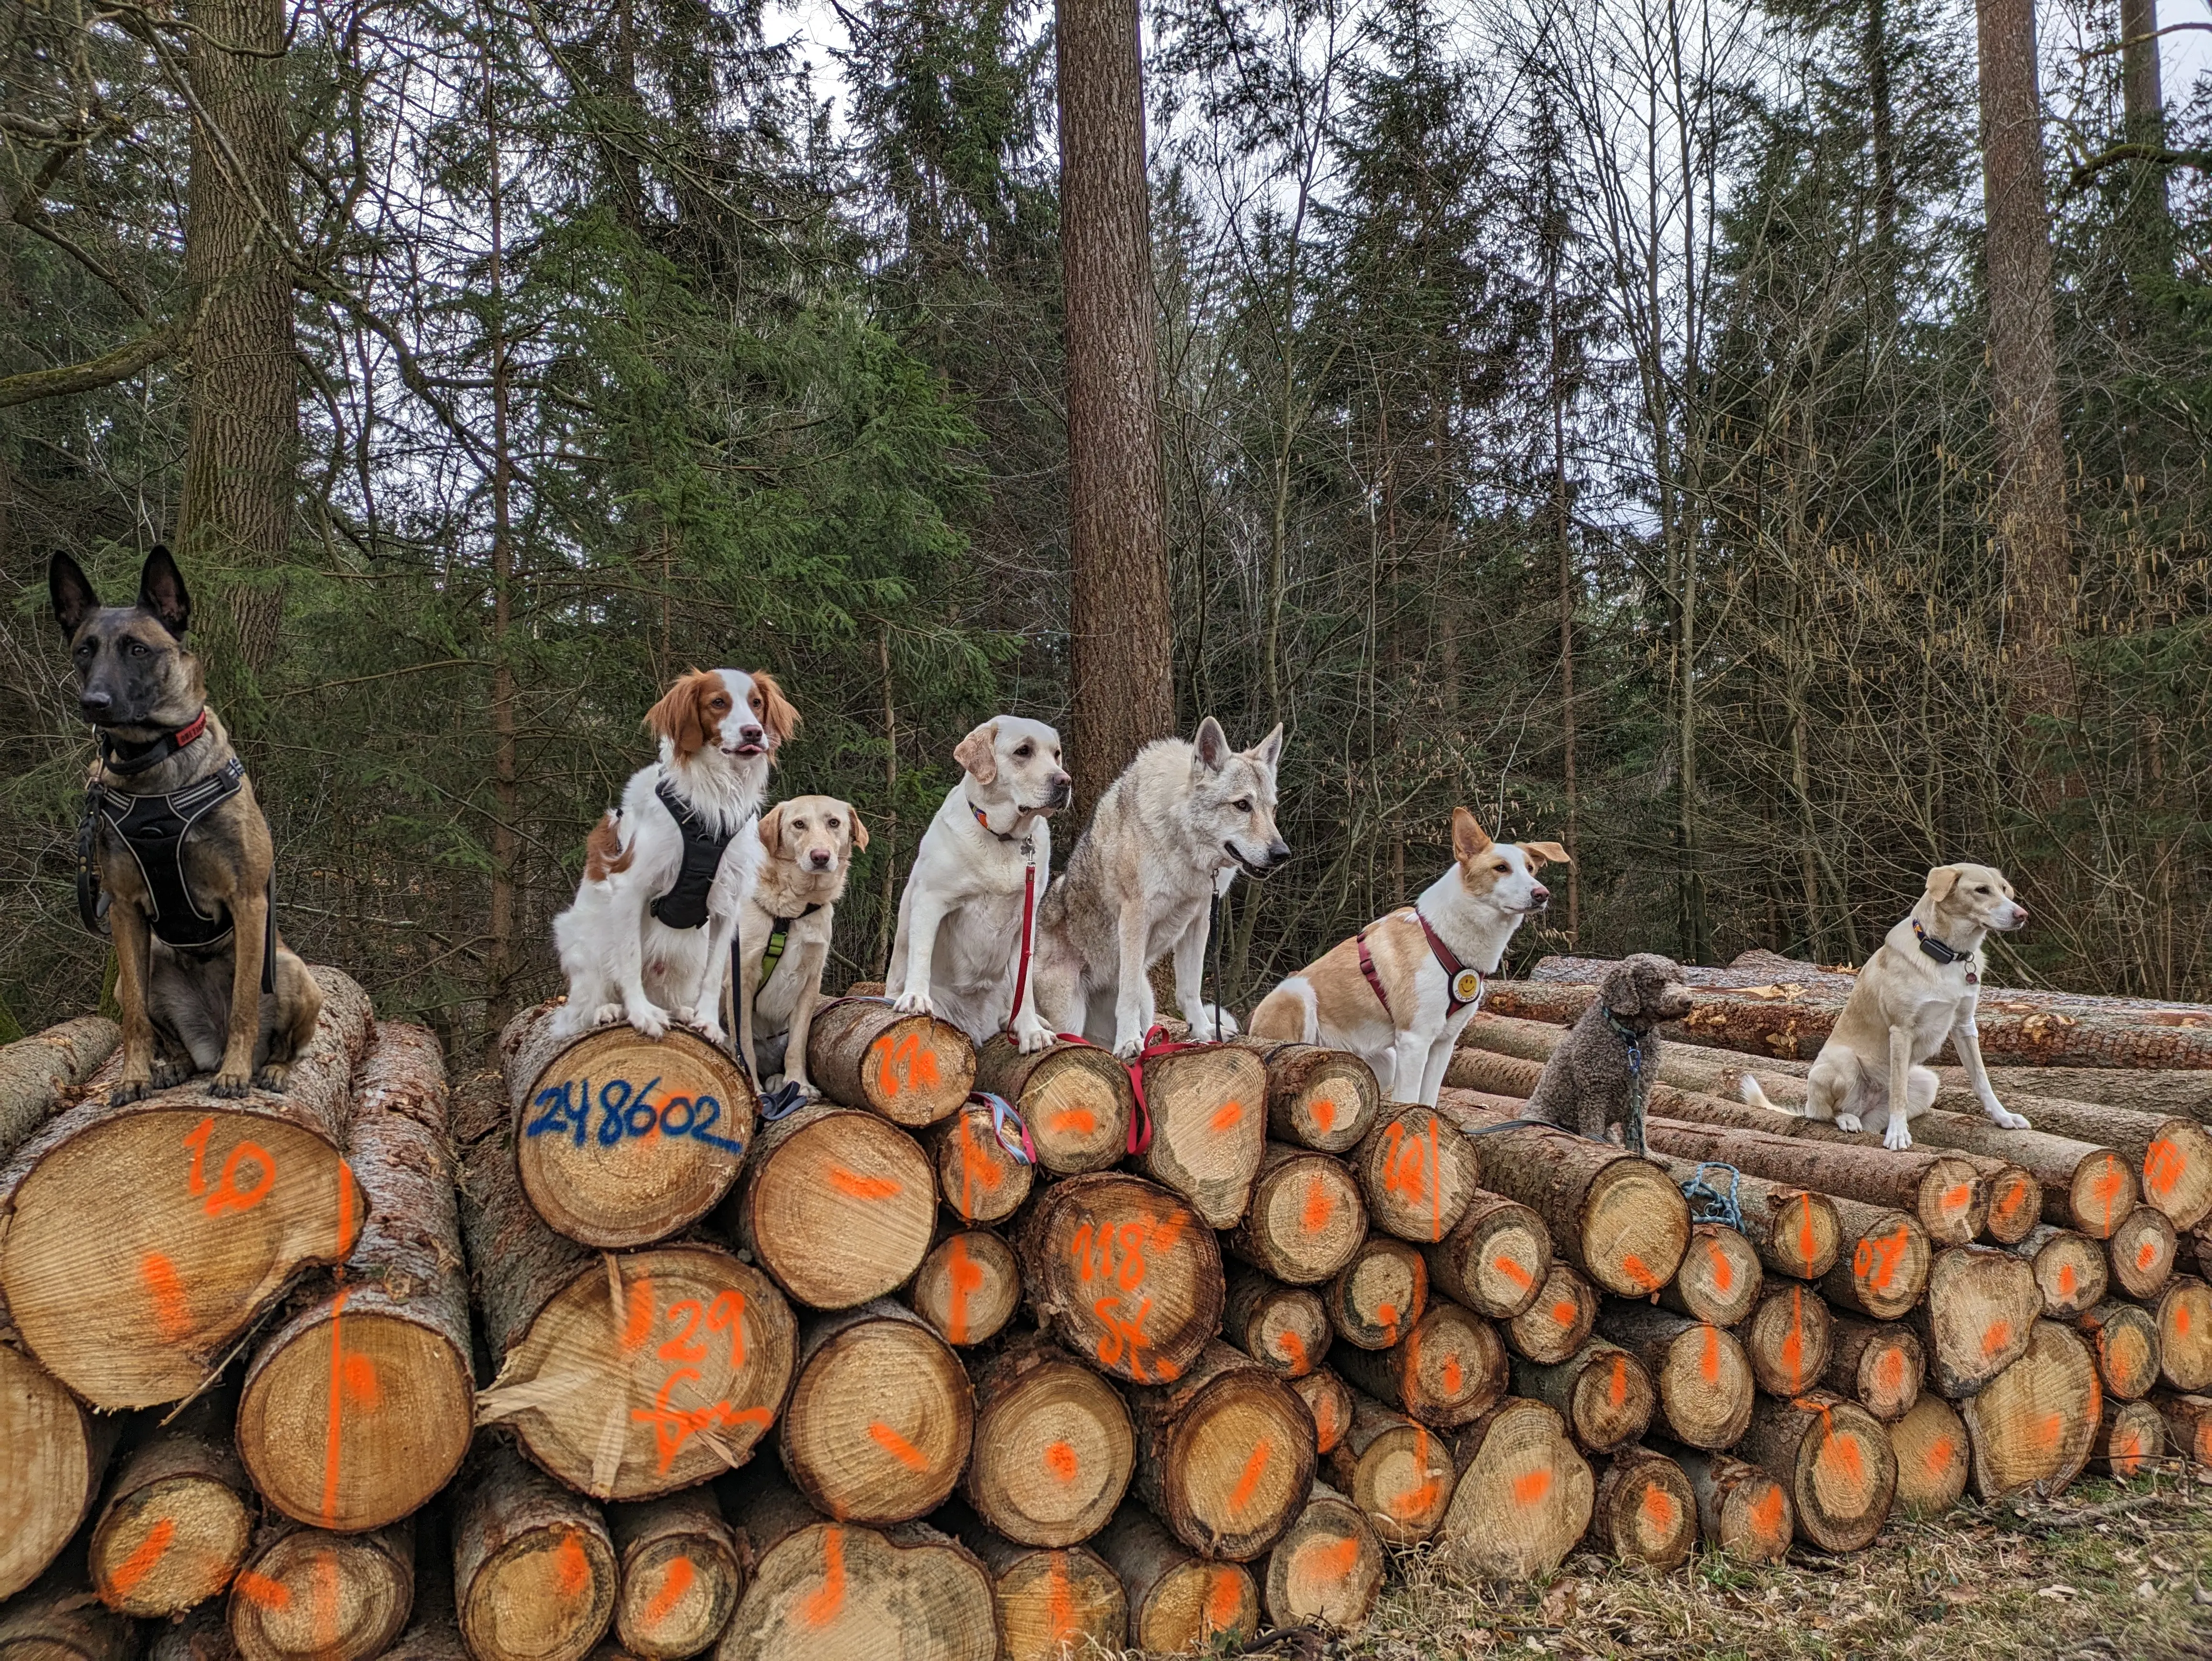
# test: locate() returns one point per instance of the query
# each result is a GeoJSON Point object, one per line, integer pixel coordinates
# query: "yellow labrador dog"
{"type": "Point", "coordinates": [784, 928]}
{"type": "Point", "coordinates": [1921, 986]}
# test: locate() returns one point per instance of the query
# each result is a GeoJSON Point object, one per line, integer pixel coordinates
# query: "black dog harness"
{"type": "Point", "coordinates": [155, 830]}
{"type": "Point", "coordinates": [684, 906]}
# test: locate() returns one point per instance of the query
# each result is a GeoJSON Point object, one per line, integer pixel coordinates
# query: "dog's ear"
{"type": "Point", "coordinates": [1541, 854]}
{"type": "Point", "coordinates": [1941, 881]}
{"type": "Point", "coordinates": [778, 714]}
{"type": "Point", "coordinates": [161, 591]}
{"type": "Point", "coordinates": [680, 717]}
{"type": "Point", "coordinates": [1268, 752]}
{"type": "Point", "coordinates": [1623, 991]}
{"type": "Point", "coordinates": [74, 600]}
{"type": "Point", "coordinates": [859, 831]}
{"type": "Point", "coordinates": [771, 828]}
{"type": "Point", "coordinates": [979, 753]}
{"type": "Point", "coordinates": [1211, 744]}
{"type": "Point", "coordinates": [1469, 837]}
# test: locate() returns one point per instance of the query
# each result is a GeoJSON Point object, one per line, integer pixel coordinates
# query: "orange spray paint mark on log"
{"type": "Point", "coordinates": [2067, 1279]}
{"type": "Point", "coordinates": [638, 1319]}
{"type": "Point", "coordinates": [827, 1601]}
{"type": "Point", "coordinates": [897, 1446]}
{"type": "Point", "coordinates": [1292, 1348]}
{"type": "Point", "coordinates": [1074, 1121]}
{"type": "Point", "coordinates": [2181, 1320]}
{"type": "Point", "coordinates": [1889, 1371]}
{"type": "Point", "coordinates": [1223, 1599]}
{"type": "Point", "coordinates": [1513, 1271]}
{"type": "Point", "coordinates": [1226, 1118]}
{"type": "Point", "coordinates": [261, 1592]}
{"type": "Point", "coordinates": [1531, 1486]}
{"type": "Point", "coordinates": [1793, 1347]}
{"type": "Point", "coordinates": [1323, 1113]}
{"type": "Point", "coordinates": [1639, 1273]}
{"type": "Point", "coordinates": [333, 1429]}
{"type": "Point", "coordinates": [903, 1062]}
{"type": "Point", "coordinates": [975, 1170]}
{"type": "Point", "coordinates": [2146, 1254]}
{"type": "Point", "coordinates": [136, 1566]}
{"type": "Point", "coordinates": [572, 1569]}
{"type": "Point", "coordinates": [1329, 1561]}
{"type": "Point", "coordinates": [1941, 1452]}
{"type": "Point", "coordinates": [1767, 1513]}
{"type": "Point", "coordinates": [1059, 1458]}
{"type": "Point", "coordinates": [2106, 1191]}
{"type": "Point", "coordinates": [1808, 1248]}
{"type": "Point", "coordinates": [326, 1595]}
{"type": "Point", "coordinates": [854, 1186]}
{"type": "Point", "coordinates": [1996, 1337]}
{"type": "Point", "coordinates": [172, 1316]}
{"type": "Point", "coordinates": [1564, 1313]}
{"type": "Point", "coordinates": [1841, 1455]}
{"type": "Point", "coordinates": [1386, 1316]}
{"type": "Point", "coordinates": [1956, 1198]}
{"type": "Point", "coordinates": [967, 1277]}
{"type": "Point", "coordinates": [358, 1382]}
{"type": "Point", "coordinates": [1058, 1599]}
{"type": "Point", "coordinates": [1454, 1377]}
{"type": "Point", "coordinates": [2163, 1165]}
{"type": "Point", "coordinates": [1247, 1484]}
{"type": "Point", "coordinates": [1709, 1359]}
{"type": "Point", "coordinates": [1661, 1511]}
{"type": "Point", "coordinates": [2009, 1202]}
{"type": "Point", "coordinates": [1616, 1390]}
{"type": "Point", "coordinates": [1724, 1270]}
{"type": "Point", "coordinates": [673, 1586]}
{"type": "Point", "coordinates": [1319, 1206]}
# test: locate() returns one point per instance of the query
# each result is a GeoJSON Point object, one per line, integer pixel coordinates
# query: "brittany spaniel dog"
{"type": "Point", "coordinates": [664, 874]}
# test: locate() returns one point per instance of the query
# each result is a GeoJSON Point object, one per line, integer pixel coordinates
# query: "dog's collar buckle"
{"type": "Point", "coordinates": [1944, 952]}
{"type": "Point", "coordinates": [131, 758]}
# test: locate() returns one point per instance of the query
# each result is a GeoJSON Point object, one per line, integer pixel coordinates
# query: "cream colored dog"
{"type": "Point", "coordinates": [1921, 985]}
{"type": "Point", "coordinates": [810, 840]}
{"type": "Point", "coordinates": [1398, 993]}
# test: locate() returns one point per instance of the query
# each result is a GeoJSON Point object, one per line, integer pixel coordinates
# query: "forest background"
{"type": "Point", "coordinates": [1647, 424]}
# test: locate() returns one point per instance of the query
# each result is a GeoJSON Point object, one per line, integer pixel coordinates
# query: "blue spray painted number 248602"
{"type": "Point", "coordinates": [626, 1111]}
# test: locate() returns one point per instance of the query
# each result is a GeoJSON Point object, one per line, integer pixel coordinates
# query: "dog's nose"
{"type": "Point", "coordinates": [1541, 894]}
{"type": "Point", "coordinates": [94, 703]}
{"type": "Point", "coordinates": [820, 857]}
{"type": "Point", "coordinates": [2021, 911]}
{"type": "Point", "coordinates": [1063, 786]}
{"type": "Point", "coordinates": [1277, 851]}
{"type": "Point", "coordinates": [749, 733]}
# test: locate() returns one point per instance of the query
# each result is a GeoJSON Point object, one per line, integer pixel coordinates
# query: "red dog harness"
{"type": "Point", "coordinates": [1462, 985]}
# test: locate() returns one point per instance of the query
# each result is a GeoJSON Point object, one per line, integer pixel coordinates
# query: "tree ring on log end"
{"type": "Point", "coordinates": [880, 1422]}
{"type": "Point", "coordinates": [1636, 1228]}
{"type": "Point", "coordinates": [840, 1210]}
{"type": "Point", "coordinates": [51, 1467]}
{"type": "Point", "coordinates": [1053, 1456]}
{"type": "Point", "coordinates": [331, 1597]}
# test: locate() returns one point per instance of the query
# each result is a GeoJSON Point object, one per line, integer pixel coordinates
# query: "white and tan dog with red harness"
{"type": "Point", "coordinates": [1399, 992]}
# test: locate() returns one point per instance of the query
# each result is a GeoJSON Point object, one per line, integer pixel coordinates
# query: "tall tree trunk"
{"type": "Point", "coordinates": [2144, 104]}
{"type": "Point", "coordinates": [506, 841]}
{"type": "Point", "coordinates": [1570, 590]}
{"type": "Point", "coordinates": [1882, 146]}
{"type": "Point", "coordinates": [2023, 357]}
{"type": "Point", "coordinates": [235, 520]}
{"type": "Point", "coordinates": [1119, 636]}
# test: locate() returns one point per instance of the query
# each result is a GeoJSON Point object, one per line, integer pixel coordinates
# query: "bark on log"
{"type": "Point", "coordinates": [1448, 1370]}
{"type": "Point", "coordinates": [1883, 1270]}
{"type": "Point", "coordinates": [1052, 1604]}
{"type": "Point", "coordinates": [1328, 1568]}
{"type": "Point", "coordinates": [1721, 1278]}
{"type": "Point", "coordinates": [2069, 1269]}
{"type": "Point", "coordinates": [913, 1069]}
{"type": "Point", "coordinates": [1177, 1601]}
{"type": "Point", "coordinates": [1932, 1456]}
{"type": "Point", "coordinates": [628, 1375]}
{"type": "Point", "coordinates": [2139, 1090]}
{"type": "Point", "coordinates": [2183, 1310]}
{"type": "Point", "coordinates": [1522, 1496]}
{"type": "Point", "coordinates": [1644, 1511]}
{"type": "Point", "coordinates": [1787, 1340]}
{"type": "Point", "coordinates": [1306, 1217]}
{"type": "Point", "coordinates": [1495, 1259]}
{"type": "Point", "coordinates": [1054, 1448]}
{"type": "Point", "coordinates": [1948, 1196]}
{"type": "Point", "coordinates": [535, 1576]}
{"type": "Point", "coordinates": [1703, 1377]}
{"type": "Point", "coordinates": [1396, 1470]}
{"type": "Point", "coordinates": [1742, 1511]}
{"type": "Point", "coordinates": [1795, 1232]}
{"type": "Point", "coordinates": [188, 1213]}
{"type": "Point", "coordinates": [2172, 1152]}
{"type": "Point", "coordinates": [58, 1619]}
{"type": "Point", "coordinates": [837, 1203]}
{"type": "Point", "coordinates": [1552, 1328]}
{"type": "Point", "coordinates": [356, 1410]}
{"type": "Point", "coordinates": [2188, 1427]}
{"type": "Point", "coordinates": [1975, 1322]}
{"type": "Point", "coordinates": [35, 1072]}
{"type": "Point", "coordinates": [1208, 1108]}
{"type": "Point", "coordinates": [1123, 1273]}
{"type": "Point", "coordinates": [1878, 1364]}
{"type": "Point", "coordinates": [2123, 1340]}
{"type": "Point", "coordinates": [968, 1287]}
{"type": "Point", "coordinates": [1328, 1398]}
{"type": "Point", "coordinates": [979, 1182]}
{"type": "Point", "coordinates": [2130, 1437]}
{"type": "Point", "coordinates": [1225, 1454]}
{"type": "Point", "coordinates": [306, 1592]}
{"type": "Point", "coordinates": [881, 1417]}
{"type": "Point", "coordinates": [1285, 1329]}
{"type": "Point", "coordinates": [1602, 1392]}
{"type": "Point", "coordinates": [831, 1590]}
{"type": "Point", "coordinates": [2033, 1424]}
{"type": "Point", "coordinates": [177, 1518]}
{"type": "Point", "coordinates": [1379, 1294]}
{"type": "Point", "coordinates": [1074, 1097]}
{"type": "Point", "coordinates": [2084, 1186]}
{"type": "Point", "coordinates": [622, 1140]}
{"type": "Point", "coordinates": [56, 1453]}
{"type": "Point", "coordinates": [2143, 1252]}
{"type": "Point", "coordinates": [1618, 1219]}
{"type": "Point", "coordinates": [1419, 1173]}
{"type": "Point", "coordinates": [1317, 1098]}
{"type": "Point", "coordinates": [203, 1634]}
{"type": "Point", "coordinates": [681, 1574]}
{"type": "Point", "coordinates": [1836, 1459]}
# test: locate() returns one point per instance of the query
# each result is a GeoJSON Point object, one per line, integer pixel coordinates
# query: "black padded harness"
{"type": "Point", "coordinates": [684, 906]}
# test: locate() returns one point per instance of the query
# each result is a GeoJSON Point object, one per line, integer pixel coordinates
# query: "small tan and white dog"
{"type": "Point", "coordinates": [811, 841]}
{"type": "Point", "coordinates": [959, 946]}
{"type": "Point", "coordinates": [1398, 993]}
{"type": "Point", "coordinates": [1923, 985]}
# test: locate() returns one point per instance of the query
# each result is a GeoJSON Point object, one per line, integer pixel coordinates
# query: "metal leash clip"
{"type": "Point", "coordinates": [1707, 1203]}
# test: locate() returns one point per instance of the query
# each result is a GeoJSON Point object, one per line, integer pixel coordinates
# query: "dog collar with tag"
{"type": "Point", "coordinates": [1463, 985]}
{"type": "Point", "coordinates": [1943, 953]}
{"type": "Point", "coordinates": [124, 757]}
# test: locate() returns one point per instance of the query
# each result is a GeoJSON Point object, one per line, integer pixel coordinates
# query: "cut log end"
{"type": "Point", "coordinates": [1397, 1472]}
{"type": "Point", "coordinates": [832, 1588]}
{"type": "Point", "coordinates": [1074, 1097]}
{"type": "Point", "coordinates": [880, 1418]}
{"type": "Point", "coordinates": [1328, 1398]}
{"type": "Point", "coordinates": [1323, 1099]}
{"type": "Point", "coordinates": [177, 1521]}
{"type": "Point", "coordinates": [2122, 1342]}
{"type": "Point", "coordinates": [1742, 1510]}
{"type": "Point", "coordinates": [1837, 1460]}
{"type": "Point", "coordinates": [2033, 1424]}
{"type": "Point", "coordinates": [968, 1287]}
{"type": "Point", "coordinates": [2130, 1439]}
{"type": "Point", "coordinates": [1556, 1321]}
{"type": "Point", "coordinates": [1602, 1391]}
{"type": "Point", "coordinates": [1053, 1447]}
{"type": "Point", "coordinates": [1177, 1601]}
{"type": "Point", "coordinates": [1932, 1457]}
{"type": "Point", "coordinates": [1329, 1567]}
{"type": "Point", "coordinates": [334, 1598]}
{"type": "Point", "coordinates": [980, 1180]}
{"type": "Point", "coordinates": [1878, 1364]}
{"type": "Point", "coordinates": [1883, 1270]}
{"type": "Point", "coordinates": [1644, 1510]}
{"type": "Point", "coordinates": [1721, 1277]}
{"type": "Point", "coordinates": [1053, 1604]}
{"type": "Point", "coordinates": [1702, 1376]}
{"type": "Point", "coordinates": [1975, 1323]}
{"type": "Point", "coordinates": [1447, 1371]}
{"type": "Point", "coordinates": [1418, 1172]}
{"type": "Point", "coordinates": [2100, 1192]}
{"type": "Point", "coordinates": [1284, 1328]}
{"type": "Point", "coordinates": [1123, 1273]}
{"type": "Point", "coordinates": [1225, 1456]}
{"type": "Point", "coordinates": [51, 1471]}
{"type": "Point", "coordinates": [1495, 1259]}
{"type": "Point", "coordinates": [535, 1576]}
{"type": "Point", "coordinates": [2183, 1313]}
{"type": "Point", "coordinates": [1787, 1340]}
{"type": "Point", "coordinates": [2070, 1269]}
{"type": "Point", "coordinates": [837, 1204]}
{"type": "Point", "coordinates": [1523, 1495]}
{"type": "Point", "coordinates": [1376, 1298]}
{"type": "Point", "coordinates": [912, 1069]}
{"type": "Point", "coordinates": [681, 1575]}
{"type": "Point", "coordinates": [2141, 1251]}
{"type": "Point", "coordinates": [1208, 1105]}
{"type": "Point", "coordinates": [1306, 1217]}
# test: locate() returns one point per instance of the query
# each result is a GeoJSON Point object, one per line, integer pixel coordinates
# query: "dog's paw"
{"type": "Point", "coordinates": [606, 1015]}
{"type": "Point", "coordinates": [1848, 1121]}
{"type": "Point", "coordinates": [1127, 1049]}
{"type": "Point", "coordinates": [913, 1003]}
{"type": "Point", "coordinates": [1033, 1036]}
{"type": "Point", "coordinates": [711, 1030]}
{"type": "Point", "coordinates": [1202, 1021]}
{"type": "Point", "coordinates": [128, 1089]}
{"type": "Point", "coordinates": [273, 1076]}
{"type": "Point", "coordinates": [228, 1086]}
{"type": "Point", "coordinates": [1898, 1137]}
{"type": "Point", "coordinates": [648, 1019]}
{"type": "Point", "coordinates": [2005, 1120]}
{"type": "Point", "coordinates": [168, 1072]}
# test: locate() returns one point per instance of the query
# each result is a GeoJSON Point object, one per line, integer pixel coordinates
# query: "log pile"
{"type": "Point", "coordinates": [589, 1360]}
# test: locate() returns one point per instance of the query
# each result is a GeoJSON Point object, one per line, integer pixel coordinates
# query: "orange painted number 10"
{"type": "Point", "coordinates": [248, 1173]}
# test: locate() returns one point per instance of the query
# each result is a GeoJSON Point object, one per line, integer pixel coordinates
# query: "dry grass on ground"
{"type": "Point", "coordinates": [2105, 1572]}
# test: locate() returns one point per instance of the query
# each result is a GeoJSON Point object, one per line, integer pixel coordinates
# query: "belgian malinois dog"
{"type": "Point", "coordinates": [180, 850]}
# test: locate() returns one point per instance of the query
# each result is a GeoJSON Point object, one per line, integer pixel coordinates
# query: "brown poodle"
{"type": "Point", "coordinates": [1600, 1076]}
